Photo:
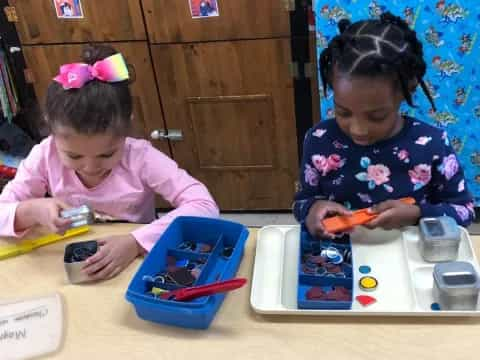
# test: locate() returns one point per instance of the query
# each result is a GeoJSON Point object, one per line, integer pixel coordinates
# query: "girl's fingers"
{"type": "Point", "coordinates": [96, 262]}
{"type": "Point", "coordinates": [384, 206]}
{"type": "Point", "coordinates": [62, 223]}
{"type": "Point", "coordinates": [62, 205]}
{"type": "Point", "coordinates": [101, 241]}
{"type": "Point", "coordinates": [116, 271]}
{"type": "Point", "coordinates": [383, 220]}
{"type": "Point", "coordinates": [105, 273]}
{"type": "Point", "coordinates": [341, 210]}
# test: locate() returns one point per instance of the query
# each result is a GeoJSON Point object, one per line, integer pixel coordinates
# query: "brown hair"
{"type": "Point", "coordinates": [97, 107]}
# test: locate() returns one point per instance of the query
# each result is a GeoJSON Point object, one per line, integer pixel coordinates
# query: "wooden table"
{"type": "Point", "coordinates": [100, 323]}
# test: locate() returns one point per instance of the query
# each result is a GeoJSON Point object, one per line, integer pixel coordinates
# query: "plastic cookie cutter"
{"type": "Point", "coordinates": [194, 292]}
{"type": "Point", "coordinates": [79, 216]}
{"type": "Point", "coordinates": [341, 223]}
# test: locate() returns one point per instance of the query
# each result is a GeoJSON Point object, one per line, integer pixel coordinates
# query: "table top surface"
{"type": "Point", "coordinates": [99, 322]}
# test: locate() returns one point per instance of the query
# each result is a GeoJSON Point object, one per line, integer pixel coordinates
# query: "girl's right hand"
{"type": "Point", "coordinates": [319, 211]}
{"type": "Point", "coordinates": [44, 212]}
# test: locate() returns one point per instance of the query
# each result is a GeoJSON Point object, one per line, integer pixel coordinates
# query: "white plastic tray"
{"type": "Point", "coordinates": [405, 281]}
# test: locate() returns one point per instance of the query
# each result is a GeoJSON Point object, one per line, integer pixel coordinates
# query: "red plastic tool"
{"type": "Point", "coordinates": [194, 292]}
{"type": "Point", "coordinates": [341, 223]}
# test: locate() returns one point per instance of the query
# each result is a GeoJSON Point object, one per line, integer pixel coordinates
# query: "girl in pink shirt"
{"type": "Point", "coordinates": [88, 159]}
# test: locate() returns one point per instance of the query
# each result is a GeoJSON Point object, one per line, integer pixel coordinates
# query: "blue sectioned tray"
{"type": "Point", "coordinates": [327, 276]}
{"type": "Point", "coordinates": [213, 247]}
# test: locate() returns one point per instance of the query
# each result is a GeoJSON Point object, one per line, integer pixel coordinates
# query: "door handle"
{"type": "Point", "coordinates": [169, 134]}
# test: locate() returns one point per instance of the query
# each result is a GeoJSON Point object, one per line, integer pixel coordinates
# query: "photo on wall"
{"type": "Point", "coordinates": [203, 8]}
{"type": "Point", "coordinates": [68, 9]}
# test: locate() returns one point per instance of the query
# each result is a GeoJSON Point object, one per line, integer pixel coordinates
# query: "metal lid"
{"type": "Point", "coordinates": [457, 275]}
{"type": "Point", "coordinates": [450, 231]}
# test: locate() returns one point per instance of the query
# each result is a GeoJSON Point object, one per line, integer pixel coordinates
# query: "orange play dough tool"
{"type": "Point", "coordinates": [341, 223]}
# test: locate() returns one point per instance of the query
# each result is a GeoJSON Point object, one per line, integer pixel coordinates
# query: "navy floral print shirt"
{"type": "Point", "coordinates": [418, 162]}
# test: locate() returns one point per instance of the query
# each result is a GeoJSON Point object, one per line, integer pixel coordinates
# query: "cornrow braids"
{"type": "Point", "coordinates": [385, 46]}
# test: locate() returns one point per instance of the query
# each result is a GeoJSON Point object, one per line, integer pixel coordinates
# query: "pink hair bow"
{"type": "Point", "coordinates": [75, 75]}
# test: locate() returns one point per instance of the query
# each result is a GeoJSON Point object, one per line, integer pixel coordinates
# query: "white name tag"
{"type": "Point", "coordinates": [31, 327]}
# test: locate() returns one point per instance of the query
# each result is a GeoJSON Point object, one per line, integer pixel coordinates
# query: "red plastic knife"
{"type": "Point", "coordinates": [194, 292]}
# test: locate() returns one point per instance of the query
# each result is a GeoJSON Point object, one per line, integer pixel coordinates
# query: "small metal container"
{"type": "Point", "coordinates": [456, 286]}
{"type": "Point", "coordinates": [74, 260]}
{"type": "Point", "coordinates": [439, 239]}
{"type": "Point", "coordinates": [79, 216]}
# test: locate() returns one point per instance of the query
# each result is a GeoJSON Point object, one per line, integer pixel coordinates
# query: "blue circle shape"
{"type": "Point", "coordinates": [365, 269]}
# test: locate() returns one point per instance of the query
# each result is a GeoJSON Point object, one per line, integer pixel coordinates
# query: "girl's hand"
{"type": "Point", "coordinates": [43, 212]}
{"type": "Point", "coordinates": [115, 253]}
{"type": "Point", "coordinates": [393, 214]}
{"type": "Point", "coordinates": [320, 210]}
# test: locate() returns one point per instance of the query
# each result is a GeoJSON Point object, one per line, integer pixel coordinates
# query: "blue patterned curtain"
{"type": "Point", "coordinates": [449, 31]}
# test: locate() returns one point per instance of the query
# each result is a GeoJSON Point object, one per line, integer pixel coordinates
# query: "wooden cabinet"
{"type": "Point", "coordinates": [44, 62]}
{"type": "Point", "coordinates": [170, 21]}
{"type": "Point", "coordinates": [233, 102]}
{"type": "Point", "coordinates": [104, 20]}
{"type": "Point", "coordinates": [223, 82]}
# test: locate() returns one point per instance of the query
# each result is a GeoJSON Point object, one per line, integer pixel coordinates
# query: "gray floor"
{"type": "Point", "coordinates": [474, 229]}
{"type": "Point", "coordinates": [263, 219]}
{"type": "Point", "coordinates": [260, 219]}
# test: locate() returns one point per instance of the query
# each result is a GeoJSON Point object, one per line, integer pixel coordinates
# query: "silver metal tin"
{"type": "Point", "coordinates": [79, 216]}
{"type": "Point", "coordinates": [74, 260]}
{"type": "Point", "coordinates": [439, 239]}
{"type": "Point", "coordinates": [456, 285]}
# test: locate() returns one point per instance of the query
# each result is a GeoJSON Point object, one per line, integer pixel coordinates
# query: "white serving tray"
{"type": "Point", "coordinates": [405, 280]}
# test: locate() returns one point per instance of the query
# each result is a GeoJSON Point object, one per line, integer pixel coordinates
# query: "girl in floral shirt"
{"type": "Point", "coordinates": [370, 155]}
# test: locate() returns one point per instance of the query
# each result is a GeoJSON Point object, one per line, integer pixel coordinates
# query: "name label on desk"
{"type": "Point", "coordinates": [30, 327]}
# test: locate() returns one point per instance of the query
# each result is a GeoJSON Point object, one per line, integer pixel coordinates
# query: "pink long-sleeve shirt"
{"type": "Point", "coordinates": [127, 193]}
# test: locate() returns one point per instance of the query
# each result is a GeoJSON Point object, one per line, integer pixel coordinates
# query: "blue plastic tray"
{"type": "Point", "coordinates": [310, 276]}
{"type": "Point", "coordinates": [198, 313]}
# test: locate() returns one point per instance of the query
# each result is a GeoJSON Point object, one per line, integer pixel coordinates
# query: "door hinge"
{"type": "Point", "coordinates": [11, 13]}
{"type": "Point", "coordinates": [303, 70]}
{"type": "Point", "coordinates": [297, 186]}
{"type": "Point", "coordinates": [308, 70]}
{"type": "Point", "coordinates": [289, 5]}
{"type": "Point", "coordinates": [29, 78]}
{"type": "Point", "coordinates": [293, 66]}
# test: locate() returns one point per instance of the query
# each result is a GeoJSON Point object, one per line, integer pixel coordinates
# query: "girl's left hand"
{"type": "Point", "coordinates": [115, 253]}
{"type": "Point", "coordinates": [393, 214]}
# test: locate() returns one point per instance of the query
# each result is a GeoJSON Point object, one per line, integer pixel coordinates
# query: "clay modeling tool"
{"type": "Point", "coordinates": [29, 245]}
{"type": "Point", "coordinates": [194, 292]}
{"type": "Point", "coordinates": [341, 223]}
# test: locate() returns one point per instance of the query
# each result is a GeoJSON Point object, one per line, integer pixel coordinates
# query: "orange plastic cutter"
{"type": "Point", "coordinates": [341, 223]}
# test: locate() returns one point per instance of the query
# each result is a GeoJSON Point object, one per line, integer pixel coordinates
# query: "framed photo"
{"type": "Point", "coordinates": [203, 8]}
{"type": "Point", "coordinates": [68, 9]}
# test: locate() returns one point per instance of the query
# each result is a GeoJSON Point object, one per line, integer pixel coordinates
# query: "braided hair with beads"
{"type": "Point", "coordinates": [385, 46]}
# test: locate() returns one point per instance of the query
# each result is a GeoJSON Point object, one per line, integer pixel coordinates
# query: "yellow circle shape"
{"type": "Point", "coordinates": [368, 283]}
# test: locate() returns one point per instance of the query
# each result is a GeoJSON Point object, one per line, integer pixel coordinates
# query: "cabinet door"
{"type": "Point", "coordinates": [105, 20]}
{"type": "Point", "coordinates": [44, 62]}
{"type": "Point", "coordinates": [171, 21]}
{"type": "Point", "coordinates": [234, 103]}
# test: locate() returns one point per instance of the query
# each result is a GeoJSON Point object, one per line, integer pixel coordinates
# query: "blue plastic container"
{"type": "Point", "coordinates": [312, 275]}
{"type": "Point", "coordinates": [227, 242]}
